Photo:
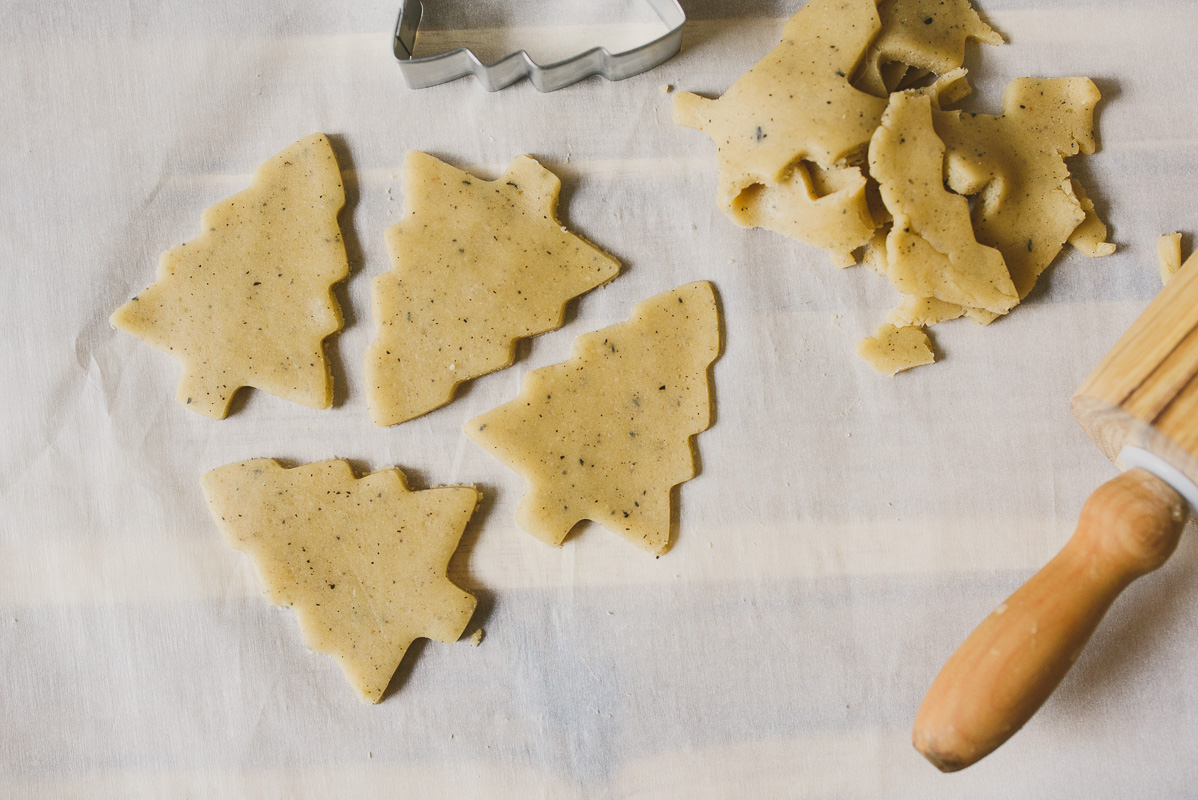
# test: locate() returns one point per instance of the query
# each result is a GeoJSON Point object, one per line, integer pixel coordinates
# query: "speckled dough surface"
{"type": "Point", "coordinates": [1015, 163]}
{"type": "Point", "coordinates": [477, 265]}
{"type": "Point", "coordinates": [893, 349]}
{"type": "Point", "coordinates": [850, 75]}
{"type": "Point", "coordinates": [248, 302]}
{"type": "Point", "coordinates": [362, 562]}
{"type": "Point", "coordinates": [917, 38]}
{"type": "Point", "coordinates": [930, 250]}
{"type": "Point", "coordinates": [605, 436]}
{"type": "Point", "coordinates": [793, 109]}
{"type": "Point", "coordinates": [1027, 204]}
{"type": "Point", "coordinates": [923, 311]}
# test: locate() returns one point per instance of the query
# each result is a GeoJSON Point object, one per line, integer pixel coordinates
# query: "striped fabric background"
{"type": "Point", "coordinates": [845, 533]}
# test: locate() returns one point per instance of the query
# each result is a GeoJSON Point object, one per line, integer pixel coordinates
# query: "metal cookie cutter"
{"type": "Point", "coordinates": [420, 73]}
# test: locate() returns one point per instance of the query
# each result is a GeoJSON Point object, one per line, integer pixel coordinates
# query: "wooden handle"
{"type": "Point", "coordinates": [1010, 665]}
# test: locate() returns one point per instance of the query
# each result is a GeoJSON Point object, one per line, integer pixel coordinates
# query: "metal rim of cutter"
{"type": "Point", "coordinates": [420, 73]}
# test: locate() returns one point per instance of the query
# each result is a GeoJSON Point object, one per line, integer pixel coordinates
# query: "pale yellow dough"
{"type": "Point", "coordinates": [1089, 238]}
{"type": "Point", "coordinates": [1028, 206]}
{"type": "Point", "coordinates": [477, 265]}
{"type": "Point", "coordinates": [893, 349]}
{"type": "Point", "coordinates": [605, 436]}
{"type": "Point", "coordinates": [922, 312]}
{"type": "Point", "coordinates": [919, 37]}
{"type": "Point", "coordinates": [1015, 163]}
{"type": "Point", "coordinates": [362, 562]}
{"type": "Point", "coordinates": [792, 130]}
{"type": "Point", "coordinates": [249, 301]}
{"type": "Point", "coordinates": [931, 250]}
{"type": "Point", "coordinates": [796, 108]}
{"type": "Point", "coordinates": [1168, 253]}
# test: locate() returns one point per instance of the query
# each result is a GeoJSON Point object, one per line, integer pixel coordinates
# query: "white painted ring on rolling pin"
{"type": "Point", "coordinates": [1131, 457]}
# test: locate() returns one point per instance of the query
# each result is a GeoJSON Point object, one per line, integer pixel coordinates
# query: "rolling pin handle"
{"type": "Point", "coordinates": [1009, 666]}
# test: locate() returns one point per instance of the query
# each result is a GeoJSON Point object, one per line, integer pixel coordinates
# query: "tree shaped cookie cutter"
{"type": "Point", "coordinates": [420, 73]}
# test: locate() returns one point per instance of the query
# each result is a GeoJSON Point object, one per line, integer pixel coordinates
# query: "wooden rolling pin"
{"type": "Point", "coordinates": [1140, 405]}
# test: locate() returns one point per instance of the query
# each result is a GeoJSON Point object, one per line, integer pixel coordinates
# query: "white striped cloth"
{"type": "Point", "coordinates": [845, 533]}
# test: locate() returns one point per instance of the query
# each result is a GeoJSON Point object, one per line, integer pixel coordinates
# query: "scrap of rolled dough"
{"type": "Point", "coordinates": [249, 302]}
{"type": "Point", "coordinates": [477, 266]}
{"type": "Point", "coordinates": [931, 250]}
{"type": "Point", "coordinates": [362, 562]}
{"type": "Point", "coordinates": [1089, 238]}
{"type": "Point", "coordinates": [928, 35]}
{"type": "Point", "coordinates": [948, 88]}
{"type": "Point", "coordinates": [1015, 163]}
{"type": "Point", "coordinates": [922, 312]}
{"type": "Point", "coordinates": [797, 105]}
{"type": "Point", "coordinates": [893, 349]}
{"type": "Point", "coordinates": [838, 221]}
{"type": "Point", "coordinates": [790, 133]}
{"type": "Point", "coordinates": [926, 311]}
{"type": "Point", "coordinates": [606, 435]}
{"type": "Point", "coordinates": [1168, 253]}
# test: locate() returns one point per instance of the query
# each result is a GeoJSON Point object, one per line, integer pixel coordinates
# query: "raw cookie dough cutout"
{"type": "Point", "coordinates": [361, 562]}
{"type": "Point", "coordinates": [1015, 162]}
{"type": "Point", "coordinates": [893, 349]}
{"type": "Point", "coordinates": [1028, 205]}
{"type": "Point", "coordinates": [606, 435]}
{"type": "Point", "coordinates": [917, 38]}
{"type": "Point", "coordinates": [1168, 254]}
{"type": "Point", "coordinates": [796, 107]}
{"type": "Point", "coordinates": [790, 133]}
{"type": "Point", "coordinates": [249, 302]}
{"type": "Point", "coordinates": [922, 312]}
{"type": "Point", "coordinates": [1089, 238]}
{"type": "Point", "coordinates": [477, 265]}
{"type": "Point", "coordinates": [931, 250]}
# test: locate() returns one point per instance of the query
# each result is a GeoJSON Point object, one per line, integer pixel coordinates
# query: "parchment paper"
{"type": "Point", "coordinates": [846, 532]}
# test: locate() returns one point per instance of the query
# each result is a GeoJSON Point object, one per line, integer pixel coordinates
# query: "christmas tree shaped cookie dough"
{"type": "Point", "coordinates": [361, 561]}
{"type": "Point", "coordinates": [249, 301]}
{"type": "Point", "coordinates": [605, 436]}
{"type": "Point", "coordinates": [477, 266]}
